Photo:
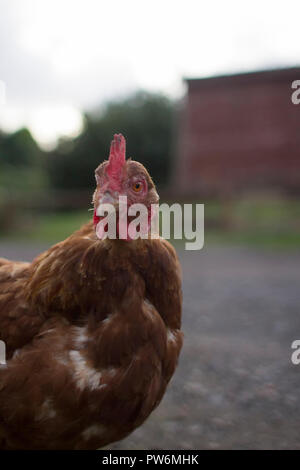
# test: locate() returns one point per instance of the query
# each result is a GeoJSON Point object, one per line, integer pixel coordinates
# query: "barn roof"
{"type": "Point", "coordinates": [284, 74]}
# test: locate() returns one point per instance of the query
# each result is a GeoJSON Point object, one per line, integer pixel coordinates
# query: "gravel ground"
{"type": "Point", "coordinates": [235, 386]}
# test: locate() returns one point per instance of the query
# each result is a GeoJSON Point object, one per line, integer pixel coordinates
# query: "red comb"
{"type": "Point", "coordinates": [117, 155]}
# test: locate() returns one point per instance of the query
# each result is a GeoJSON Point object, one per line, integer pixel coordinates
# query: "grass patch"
{"type": "Point", "coordinates": [273, 223]}
{"type": "Point", "coordinates": [50, 228]}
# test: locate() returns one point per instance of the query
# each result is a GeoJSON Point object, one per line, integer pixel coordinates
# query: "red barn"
{"type": "Point", "coordinates": [240, 132]}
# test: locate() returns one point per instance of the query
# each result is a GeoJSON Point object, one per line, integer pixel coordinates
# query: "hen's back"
{"type": "Point", "coordinates": [10, 273]}
{"type": "Point", "coordinates": [7, 266]}
{"type": "Point", "coordinates": [18, 323]}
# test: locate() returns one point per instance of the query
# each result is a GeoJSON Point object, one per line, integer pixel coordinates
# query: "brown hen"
{"type": "Point", "coordinates": [91, 326]}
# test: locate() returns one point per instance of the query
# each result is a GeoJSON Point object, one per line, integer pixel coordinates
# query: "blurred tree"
{"type": "Point", "coordinates": [21, 162]}
{"type": "Point", "coordinates": [22, 174]}
{"type": "Point", "coordinates": [146, 120]}
{"type": "Point", "coordinates": [19, 149]}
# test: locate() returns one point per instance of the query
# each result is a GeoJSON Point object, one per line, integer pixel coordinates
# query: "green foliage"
{"type": "Point", "coordinates": [18, 149]}
{"type": "Point", "coordinates": [21, 175]}
{"type": "Point", "coordinates": [20, 179]}
{"type": "Point", "coordinates": [21, 163]}
{"type": "Point", "coordinates": [146, 120]}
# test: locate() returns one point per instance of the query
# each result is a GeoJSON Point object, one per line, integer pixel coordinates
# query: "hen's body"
{"type": "Point", "coordinates": [92, 335]}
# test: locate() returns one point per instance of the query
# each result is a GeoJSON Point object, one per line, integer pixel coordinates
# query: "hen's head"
{"type": "Point", "coordinates": [120, 177]}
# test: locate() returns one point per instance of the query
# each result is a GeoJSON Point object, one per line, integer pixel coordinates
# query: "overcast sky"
{"type": "Point", "coordinates": [59, 57]}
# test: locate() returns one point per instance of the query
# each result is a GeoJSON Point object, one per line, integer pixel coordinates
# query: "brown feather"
{"type": "Point", "coordinates": [93, 337]}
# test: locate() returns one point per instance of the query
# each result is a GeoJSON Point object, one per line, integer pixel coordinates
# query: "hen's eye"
{"type": "Point", "coordinates": [137, 187]}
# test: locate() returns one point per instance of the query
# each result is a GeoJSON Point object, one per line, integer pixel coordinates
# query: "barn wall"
{"type": "Point", "coordinates": [240, 132]}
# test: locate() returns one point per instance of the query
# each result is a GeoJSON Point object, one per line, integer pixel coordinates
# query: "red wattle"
{"type": "Point", "coordinates": [96, 218]}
